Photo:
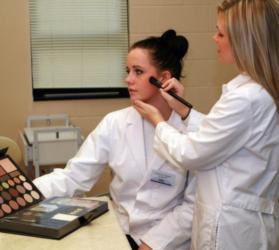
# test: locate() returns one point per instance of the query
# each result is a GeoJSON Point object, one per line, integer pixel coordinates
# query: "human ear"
{"type": "Point", "coordinates": [165, 75]}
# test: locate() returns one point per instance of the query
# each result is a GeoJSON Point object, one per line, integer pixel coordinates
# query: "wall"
{"type": "Point", "coordinates": [193, 18]}
{"type": "Point", "coordinates": [196, 19]}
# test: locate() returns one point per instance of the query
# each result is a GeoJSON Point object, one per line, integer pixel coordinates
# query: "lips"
{"type": "Point", "coordinates": [132, 91]}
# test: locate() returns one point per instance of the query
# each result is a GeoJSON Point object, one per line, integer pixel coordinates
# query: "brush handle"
{"type": "Point", "coordinates": [158, 84]}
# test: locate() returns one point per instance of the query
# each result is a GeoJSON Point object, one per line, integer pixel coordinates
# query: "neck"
{"type": "Point", "coordinates": [162, 106]}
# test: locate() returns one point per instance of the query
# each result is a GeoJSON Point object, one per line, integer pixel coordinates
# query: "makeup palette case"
{"type": "Point", "coordinates": [23, 209]}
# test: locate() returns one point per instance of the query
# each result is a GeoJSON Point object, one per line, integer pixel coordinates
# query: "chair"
{"type": "Point", "coordinates": [13, 149]}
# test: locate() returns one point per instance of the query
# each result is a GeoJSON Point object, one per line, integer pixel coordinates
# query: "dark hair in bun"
{"type": "Point", "coordinates": [167, 51]}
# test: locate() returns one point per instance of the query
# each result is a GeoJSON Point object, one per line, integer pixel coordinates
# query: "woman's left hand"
{"type": "Point", "coordinates": [148, 112]}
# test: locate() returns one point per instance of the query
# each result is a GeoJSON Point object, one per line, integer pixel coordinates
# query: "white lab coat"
{"type": "Point", "coordinates": [159, 214]}
{"type": "Point", "coordinates": [236, 155]}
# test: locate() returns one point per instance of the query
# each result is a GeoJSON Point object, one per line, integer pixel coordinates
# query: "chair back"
{"type": "Point", "coordinates": [13, 149]}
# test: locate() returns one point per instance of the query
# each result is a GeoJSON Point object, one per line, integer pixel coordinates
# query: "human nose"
{"type": "Point", "coordinates": [128, 78]}
{"type": "Point", "coordinates": [215, 39]}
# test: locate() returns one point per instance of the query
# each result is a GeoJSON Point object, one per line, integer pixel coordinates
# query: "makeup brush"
{"type": "Point", "coordinates": [158, 84]}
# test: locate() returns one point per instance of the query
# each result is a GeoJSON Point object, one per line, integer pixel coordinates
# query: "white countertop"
{"type": "Point", "coordinates": [103, 233]}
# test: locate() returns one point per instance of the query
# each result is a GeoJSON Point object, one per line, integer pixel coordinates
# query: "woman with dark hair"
{"type": "Point", "coordinates": [235, 151]}
{"type": "Point", "coordinates": [149, 195]}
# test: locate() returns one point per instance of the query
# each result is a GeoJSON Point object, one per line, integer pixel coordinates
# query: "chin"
{"type": "Point", "coordinates": [134, 98]}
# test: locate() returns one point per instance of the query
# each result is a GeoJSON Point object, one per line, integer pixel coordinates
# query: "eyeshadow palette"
{"type": "Point", "coordinates": [24, 210]}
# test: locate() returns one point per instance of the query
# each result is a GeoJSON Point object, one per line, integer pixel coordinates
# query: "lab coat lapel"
{"type": "Point", "coordinates": [155, 164]}
{"type": "Point", "coordinates": [134, 137]}
{"type": "Point", "coordinates": [158, 161]}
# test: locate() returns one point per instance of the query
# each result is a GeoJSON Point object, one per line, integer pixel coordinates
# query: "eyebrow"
{"type": "Point", "coordinates": [138, 67]}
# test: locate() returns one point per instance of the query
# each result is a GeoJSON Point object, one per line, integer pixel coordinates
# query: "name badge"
{"type": "Point", "coordinates": [163, 177]}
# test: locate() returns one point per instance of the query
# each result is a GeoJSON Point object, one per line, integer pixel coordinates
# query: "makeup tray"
{"type": "Point", "coordinates": [23, 209]}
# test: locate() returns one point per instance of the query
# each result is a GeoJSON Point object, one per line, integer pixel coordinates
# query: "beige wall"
{"type": "Point", "coordinates": [193, 18]}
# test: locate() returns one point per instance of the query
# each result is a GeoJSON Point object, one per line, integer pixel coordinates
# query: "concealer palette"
{"type": "Point", "coordinates": [24, 210]}
{"type": "Point", "coordinates": [16, 191]}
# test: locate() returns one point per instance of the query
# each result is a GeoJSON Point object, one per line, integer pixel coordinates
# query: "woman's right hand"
{"type": "Point", "coordinates": [175, 86]}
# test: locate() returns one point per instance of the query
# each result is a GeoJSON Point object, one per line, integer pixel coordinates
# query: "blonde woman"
{"type": "Point", "coordinates": [235, 151]}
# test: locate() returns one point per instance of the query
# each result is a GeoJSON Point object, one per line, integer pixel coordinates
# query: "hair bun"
{"type": "Point", "coordinates": [178, 44]}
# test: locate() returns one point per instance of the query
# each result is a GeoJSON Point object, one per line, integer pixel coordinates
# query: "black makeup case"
{"type": "Point", "coordinates": [24, 210]}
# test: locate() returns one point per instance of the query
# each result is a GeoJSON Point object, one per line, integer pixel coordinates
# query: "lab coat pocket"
{"type": "Point", "coordinates": [205, 227]}
{"type": "Point", "coordinates": [242, 227]}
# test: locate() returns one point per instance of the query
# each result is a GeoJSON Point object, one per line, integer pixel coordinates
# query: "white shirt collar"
{"type": "Point", "coordinates": [236, 82]}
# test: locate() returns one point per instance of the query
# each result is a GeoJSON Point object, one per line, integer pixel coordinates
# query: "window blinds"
{"type": "Point", "coordinates": [78, 44]}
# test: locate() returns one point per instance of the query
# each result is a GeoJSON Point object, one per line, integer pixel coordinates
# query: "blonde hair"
{"type": "Point", "coordinates": [253, 30]}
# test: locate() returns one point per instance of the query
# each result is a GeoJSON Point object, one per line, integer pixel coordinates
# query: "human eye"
{"type": "Point", "coordinates": [220, 34]}
{"type": "Point", "coordinates": [138, 71]}
{"type": "Point", "coordinates": [127, 70]}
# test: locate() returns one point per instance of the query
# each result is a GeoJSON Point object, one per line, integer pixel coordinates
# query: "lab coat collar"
{"type": "Point", "coordinates": [236, 82]}
{"type": "Point", "coordinates": [136, 141]}
{"type": "Point", "coordinates": [157, 161]}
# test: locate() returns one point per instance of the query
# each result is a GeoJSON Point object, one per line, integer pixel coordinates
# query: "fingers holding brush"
{"type": "Point", "coordinates": [176, 105]}
{"type": "Point", "coordinates": [173, 85]}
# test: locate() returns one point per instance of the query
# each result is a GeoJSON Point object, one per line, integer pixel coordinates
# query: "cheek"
{"type": "Point", "coordinates": [229, 54]}
{"type": "Point", "coordinates": [148, 91]}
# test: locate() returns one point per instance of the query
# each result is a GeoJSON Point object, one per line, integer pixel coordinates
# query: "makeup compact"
{"type": "Point", "coordinates": [24, 210]}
